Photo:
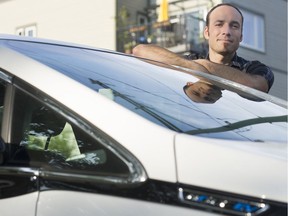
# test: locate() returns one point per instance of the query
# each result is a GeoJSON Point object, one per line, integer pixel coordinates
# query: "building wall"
{"type": "Point", "coordinates": [86, 22]}
{"type": "Point", "coordinates": [275, 55]}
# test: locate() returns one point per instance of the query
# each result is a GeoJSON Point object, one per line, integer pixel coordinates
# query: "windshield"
{"type": "Point", "coordinates": [168, 97]}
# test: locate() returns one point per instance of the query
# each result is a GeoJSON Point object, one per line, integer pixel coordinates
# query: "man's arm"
{"type": "Point", "coordinates": [254, 81]}
{"type": "Point", "coordinates": [163, 55]}
{"type": "Point", "coordinates": [160, 54]}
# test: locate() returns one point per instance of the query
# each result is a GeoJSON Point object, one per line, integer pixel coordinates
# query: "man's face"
{"type": "Point", "coordinates": [224, 32]}
{"type": "Point", "coordinates": [202, 92]}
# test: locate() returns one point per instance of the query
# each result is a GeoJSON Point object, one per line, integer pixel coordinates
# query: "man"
{"type": "Point", "coordinates": [223, 31]}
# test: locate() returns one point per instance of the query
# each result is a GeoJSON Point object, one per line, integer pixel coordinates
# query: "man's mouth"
{"type": "Point", "coordinates": [225, 40]}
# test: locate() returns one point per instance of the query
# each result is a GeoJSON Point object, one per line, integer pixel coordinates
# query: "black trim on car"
{"type": "Point", "coordinates": [169, 193]}
{"type": "Point", "coordinates": [4, 76]}
{"type": "Point", "coordinates": [16, 181]}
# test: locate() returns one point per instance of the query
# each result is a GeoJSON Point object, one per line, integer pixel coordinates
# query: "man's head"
{"type": "Point", "coordinates": [223, 30]}
{"type": "Point", "coordinates": [202, 92]}
{"type": "Point", "coordinates": [224, 4]}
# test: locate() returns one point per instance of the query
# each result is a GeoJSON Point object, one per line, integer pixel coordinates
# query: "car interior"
{"type": "Point", "coordinates": [41, 137]}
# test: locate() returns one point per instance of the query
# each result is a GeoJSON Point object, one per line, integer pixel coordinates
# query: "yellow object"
{"type": "Point", "coordinates": [163, 12]}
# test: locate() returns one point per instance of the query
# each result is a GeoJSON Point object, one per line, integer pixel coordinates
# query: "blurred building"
{"type": "Point", "coordinates": [175, 24]}
{"type": "Point", "coordinates": [87, 22]}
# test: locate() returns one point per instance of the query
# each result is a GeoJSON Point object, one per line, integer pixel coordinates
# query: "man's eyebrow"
{"type": "Point", "coordinates": [218, 21]}
{"type": "Point", "coordinates": [232, 22]}
{"type": "Point", "coordinates": [235, 22]}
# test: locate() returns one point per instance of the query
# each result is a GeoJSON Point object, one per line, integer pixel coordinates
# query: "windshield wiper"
{"type": "Point", "coordinates": [139, 106]}
{"type": "Point", "coordinates": [240, 124]}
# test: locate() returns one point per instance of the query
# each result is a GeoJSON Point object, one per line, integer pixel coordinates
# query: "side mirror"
{"type": "Point", "coordinates": [2, 151]}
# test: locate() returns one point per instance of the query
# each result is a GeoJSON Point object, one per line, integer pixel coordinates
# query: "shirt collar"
{"type": "Point", "coordinates": [234, 63]}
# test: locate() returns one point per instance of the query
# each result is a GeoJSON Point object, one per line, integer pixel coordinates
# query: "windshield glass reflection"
{"type": "Point", "coordinates": [202, 92]}
{"type": "Point", "coordinates": [168, 97]}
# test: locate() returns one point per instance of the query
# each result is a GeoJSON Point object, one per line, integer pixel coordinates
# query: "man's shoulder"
{"type": "Point", "coordinates": [239, 60]}
{"type": "Point", "coordinates": [244, 63]}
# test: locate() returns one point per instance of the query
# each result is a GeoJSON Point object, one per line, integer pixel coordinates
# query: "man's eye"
{"type": "Point", "coordinates": [236, 26]}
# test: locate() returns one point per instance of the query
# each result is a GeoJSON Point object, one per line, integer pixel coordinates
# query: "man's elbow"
{"type": "Point", "coordinates": [139, 50]}
{"type": "Point", "coordinates": [261, 84]}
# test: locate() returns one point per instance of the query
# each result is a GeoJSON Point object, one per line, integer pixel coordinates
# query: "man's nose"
{"type": "Point", "coordinates": [226, 29]}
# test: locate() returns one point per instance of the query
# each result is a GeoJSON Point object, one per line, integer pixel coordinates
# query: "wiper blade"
{"type": "Point", "coordinates": [240, 124]}
{"type": "Point", "coordinates": [140, 106]}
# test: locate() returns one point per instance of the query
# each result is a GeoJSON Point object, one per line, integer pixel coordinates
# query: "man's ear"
{"type": "Point", "coordinates": [241, 38]}
{"type": "Point", "coordinates": [206, 32]}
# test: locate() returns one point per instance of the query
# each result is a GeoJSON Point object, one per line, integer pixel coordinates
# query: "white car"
{"type": "Point", "coordinates": [95, 132]}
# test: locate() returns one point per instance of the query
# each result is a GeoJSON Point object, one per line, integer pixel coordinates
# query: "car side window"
{"type": "Point", "coordinates": [41, 137]}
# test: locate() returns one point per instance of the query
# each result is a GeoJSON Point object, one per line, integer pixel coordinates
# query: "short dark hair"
{"type": "Point", "coordinates": [219, 5]}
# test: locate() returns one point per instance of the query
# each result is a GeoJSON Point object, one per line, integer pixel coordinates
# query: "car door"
{"type": "Point", "coordinates": [18, 183]}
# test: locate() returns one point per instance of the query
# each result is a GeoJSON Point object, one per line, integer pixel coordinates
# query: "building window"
{"type": "Point", "coordinates": [141, 19]}
{"type": "Point", "coordinates": [253, 31]}
{"type": "Point", "coordinates": [30, 31]}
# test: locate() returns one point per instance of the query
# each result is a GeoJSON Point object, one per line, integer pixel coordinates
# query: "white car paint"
{"type": "Point", "coordinates": [24, 205]}
{"type": "Point", "coordinates": [233, 166]}
{"type": "Point", "coordinates": [88, 204]}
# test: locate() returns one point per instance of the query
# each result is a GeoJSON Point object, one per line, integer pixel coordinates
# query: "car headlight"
{"type": "Point", "coordinates": [227, 204]}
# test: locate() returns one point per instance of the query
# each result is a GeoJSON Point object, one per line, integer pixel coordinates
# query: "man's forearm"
{"type": "Point", "coordinates": [155, 53]}
{"type": "Point", "coordinates": [160, 54]}
{"type": "Point", "coordinates": [254, 81]}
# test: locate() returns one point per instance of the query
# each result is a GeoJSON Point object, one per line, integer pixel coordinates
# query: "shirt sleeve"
{"type": "Point", "coordinates": [258, 68]}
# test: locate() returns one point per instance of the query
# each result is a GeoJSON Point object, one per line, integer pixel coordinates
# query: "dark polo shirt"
{"type": "Point", "coordinates": [253, 67]}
